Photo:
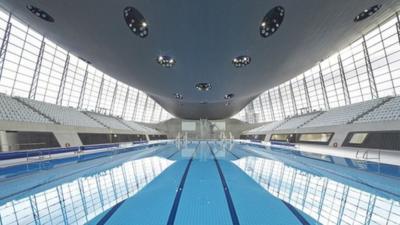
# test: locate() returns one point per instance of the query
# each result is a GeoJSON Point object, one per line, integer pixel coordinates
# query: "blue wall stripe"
{"type": "Point", "coordinates": [109, 213]}
{"type": "Point", "coordinates": [174, 209]}
{"type": "Point", "coordinates": [232, 211]}
{"type": "Point", "coordinates": [296, 213]}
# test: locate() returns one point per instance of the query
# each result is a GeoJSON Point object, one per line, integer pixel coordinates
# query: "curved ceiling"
{"type": "Point", "coordinates": [203, 37]}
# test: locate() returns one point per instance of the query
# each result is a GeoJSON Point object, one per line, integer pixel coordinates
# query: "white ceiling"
{"type": "Point", "coordinates": [203, 37]}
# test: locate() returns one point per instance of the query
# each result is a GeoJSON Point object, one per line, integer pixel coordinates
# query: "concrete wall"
{"type": "Point", "coordinates": [341, 131]}
{"type": "Point", "coordinates": [174, 126]}
{"type": "Point", "coordinates": [64, 134]}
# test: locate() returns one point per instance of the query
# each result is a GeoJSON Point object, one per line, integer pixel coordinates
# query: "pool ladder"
{"type": "Point", "coordinates": [366, 155]}
{"type": "Point", "coordinates": [38, 156]}
{"type": "Point", "coordinates": [40, 159]}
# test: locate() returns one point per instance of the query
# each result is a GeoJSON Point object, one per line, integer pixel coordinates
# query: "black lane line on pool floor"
{"type": "Point", "coordinates": [296, 213]}
{"type": "Point", "coordinates": [232, 211]}
{"type": "Point", "coordinates": [174, 209]}
{"type": "Point", "coordinates": [115, 207]}
{"type": "Point", "coordinates": [291, 208]}
{"type": "Point", "coordinates": [172, 154]}
{"type": "Point", "coordinates": [226, 150]}
{"type": "Point", "coordinates": [110, 213]}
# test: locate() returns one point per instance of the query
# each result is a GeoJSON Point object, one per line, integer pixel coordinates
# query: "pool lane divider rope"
{"type": "Point", "coordinates": [232, 211]}
{"type": "Point", "coordinates": [174, 209]}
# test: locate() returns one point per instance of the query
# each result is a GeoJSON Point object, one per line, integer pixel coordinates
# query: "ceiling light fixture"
{"type": "Point", "coordinates": [136, 22]}
{"type": "Point", "coordinates": [203, 86]}
{"type": "Point", "coordinates": [178, 96]}
{"type": "Point", "coordinates": [229, 96]}
{"type": "Point", "coordinates": [241, 61]}
{"type": "Point", "coordinates": [367, 13]}
{"type": "Point", "coordinates": [40, 13]}
{"type": "Point", "coordinates": [272, 21]}
{"type": "Point", "coordinates": [166, 61]}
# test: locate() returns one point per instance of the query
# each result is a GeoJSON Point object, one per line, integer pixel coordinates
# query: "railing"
{"type": "Point", "coordinates": [37, 156]}
{"type": "Point", "coordinates": [366, 155]}
{"type": "Point", "coordinates": [43, 154]}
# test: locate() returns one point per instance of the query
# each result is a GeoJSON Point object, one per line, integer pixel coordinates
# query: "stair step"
{"type": "Point", "coordinates": [36, 110]}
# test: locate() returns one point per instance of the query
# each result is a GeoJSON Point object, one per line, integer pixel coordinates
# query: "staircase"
{"type": "Point", "coordinates": [36, 110]}
{"type": "Point", "coordinates": [316, 115]}
{"type": "Point", "coordinates": [129, 126]}
{"type": "Point", "coordinates": [370, 110]}
{"type": "Point", "coordinates": [98, 121]}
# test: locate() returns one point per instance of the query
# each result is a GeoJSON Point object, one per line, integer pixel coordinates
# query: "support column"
{"type": "Point", "coordinates": [145, 109]}
{"type": "Point", "coordinates": [19, 62]}
{"type": "Point", "coordinates": [398, 25]}
{"type": "Point", "coordinates": [281, 102]}
{"type": "Point", "coordinates": [83, 88]}
{"type": "Point", "coordinates": [4, 44]}
{"type": "Point", "coordinates": [346, 92]}
{"type": "Point", "coordinates": [324, 94]}
{"type": "Point", "coordinates": [36, 73]}
{"type": "Point", "coordinates": [125, 103]}
{"type": "Point", "coordinates": [152, 111]}
{"type": "Point", "coordinates": [270, 107]}
{"type": "Point", "coordinates": [370, 73]}
{"type": "Point", "coordinates": [307, 94]}
{"type": "Point", "coordinates": [387, 61]}
{"type": "Point", "coordinates": [159, 116]}
{"type": "Point", "coordinates": [98, 101]}
{"type": "Point", "coordinates": [60, 94]}
{"type": "Point", "coordinates": [292, 97]}
{"type": "Point", "coordinates": [136, 103]}
{"type": "Point", "coordinates": [262, 109]}
{"type": "Point", "coordinates": [114, 97]}
{"type": "Point", "coordinates": [4, 141]}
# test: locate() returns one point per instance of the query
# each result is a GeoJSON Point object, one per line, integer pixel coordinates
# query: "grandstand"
{"type": "Point", "coordinates": [62, 115]}
{"type": "Point", "coordinates": [12, 110]}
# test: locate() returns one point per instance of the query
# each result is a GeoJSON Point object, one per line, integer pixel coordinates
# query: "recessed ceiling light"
{"type": "Point", "coordinates": [178, 96]}
{"type": "Point", "coordinates": [203, 86]}
{"type": "Point", "coordinates": [229, 96]}
{"type": "Point", "coordinates": [136, 22]}
{"type": "Point", "coordinates": [367, 13]}
{"type": "Point", "coordinates": [241, 61]}
{"type": "Point", "coordinates": [166, 61]}
{"type": "Point", "coordinates": [272, 21]}
{"type": "Point", "coordinates": [40, 13]}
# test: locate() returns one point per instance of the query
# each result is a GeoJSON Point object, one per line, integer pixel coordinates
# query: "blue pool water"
{"type": "Point", "coordinates": [201, 183]}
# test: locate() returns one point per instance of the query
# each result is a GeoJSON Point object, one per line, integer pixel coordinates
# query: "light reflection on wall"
{"type": "Point", "coordinates": [81, 200]}
{"type": "Point", "coordinates": [323, 199]}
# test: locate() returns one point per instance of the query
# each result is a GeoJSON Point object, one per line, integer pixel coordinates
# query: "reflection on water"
{"type": "Point", "coordinates": [322, 198]}
{"type": "Point", "coordinates": [81, 200]}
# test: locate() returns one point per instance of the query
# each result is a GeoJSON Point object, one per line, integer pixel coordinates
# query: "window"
{"type": "Point", "coordinates": [358, 138]}
{"type": "Point", "coordinates": [322, 138]}
{"type": "Point", "coordinates": [59, 77]}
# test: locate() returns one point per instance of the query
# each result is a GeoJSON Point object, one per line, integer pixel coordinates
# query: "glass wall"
{"type": "Point", "coordinates": [368, 68]}
{"type": "Point", "coordinates": [32, 66]}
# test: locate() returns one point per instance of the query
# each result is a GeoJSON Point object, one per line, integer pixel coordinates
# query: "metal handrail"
{"type": "Point", "coordinates": [365, 155]}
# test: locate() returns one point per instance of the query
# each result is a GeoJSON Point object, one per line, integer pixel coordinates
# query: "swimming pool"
{"type": "Point", "coordinates": [204, 183]}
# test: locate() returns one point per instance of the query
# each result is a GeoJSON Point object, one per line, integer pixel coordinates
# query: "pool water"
{"type": "Point", "coordinates": [204, 183]}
